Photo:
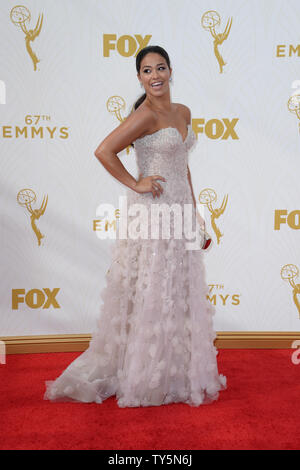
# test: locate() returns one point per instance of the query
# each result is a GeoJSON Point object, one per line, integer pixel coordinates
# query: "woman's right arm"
{"type": "Point", "coordinates": [135, 125]}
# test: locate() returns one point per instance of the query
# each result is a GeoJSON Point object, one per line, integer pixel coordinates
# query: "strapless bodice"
{"type": "Point", "coordinates": [165, 153]}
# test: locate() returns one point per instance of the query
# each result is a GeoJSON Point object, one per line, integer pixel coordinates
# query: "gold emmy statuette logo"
{"type": "Point", "coordinates": [25, 198]}
{"type": "Point", "coordinates": [114, 105]}
{"type": "Point", "coordinates": [207, 196]}
{"type": "Point", "coordinates": [294, 106]}
{"type": "Point", "coordinates": [209, 21]}
{"type": "Point", "coordinates": [289, 272]}
{"type": "Point", "coordinates": [19, 15]}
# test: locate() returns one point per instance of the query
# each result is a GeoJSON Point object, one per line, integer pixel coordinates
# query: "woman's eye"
{"type": "Point", "coordinates": [161, 67]}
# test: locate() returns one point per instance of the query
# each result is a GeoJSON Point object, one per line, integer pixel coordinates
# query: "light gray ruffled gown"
{"type": "Point", "coordinates": [154, 342]}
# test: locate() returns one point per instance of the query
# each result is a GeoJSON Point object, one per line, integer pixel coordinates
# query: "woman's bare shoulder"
{"type": "Point", "coordinates": [143, 117]}
{"type": "Point", "coordinates": [185, 111]}
{"type": "Point", "coordinates": [143, 112]}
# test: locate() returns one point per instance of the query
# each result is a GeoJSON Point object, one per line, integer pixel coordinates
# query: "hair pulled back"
{"type": "Point", "coordinates": [141, 54]}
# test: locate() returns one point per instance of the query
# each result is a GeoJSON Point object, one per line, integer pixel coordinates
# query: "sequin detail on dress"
{"type": "Point", "coordinates": [154, 339]}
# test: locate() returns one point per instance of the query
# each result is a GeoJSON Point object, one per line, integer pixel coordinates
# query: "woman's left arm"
{"type": "Point", "coordinates": [188, 117]}
{"type": "Point", "coordinates": [190, 182]}
{"type": "Point", "coordinates": [201, 220]}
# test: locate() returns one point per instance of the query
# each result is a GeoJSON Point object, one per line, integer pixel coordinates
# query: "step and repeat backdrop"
{"type": "Point", "coordinates": [68, 78]}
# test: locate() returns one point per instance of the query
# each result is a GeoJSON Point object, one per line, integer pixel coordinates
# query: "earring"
{"type": "Point", "coordinates": [141, 84]}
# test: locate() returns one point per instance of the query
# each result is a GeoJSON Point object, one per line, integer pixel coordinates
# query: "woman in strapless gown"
{"type": "Point", "coordinates": [154, 342]}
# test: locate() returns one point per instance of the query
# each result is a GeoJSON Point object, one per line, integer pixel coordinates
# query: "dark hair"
{"type": "Point", "coordinates": [141, 54]}
{"type": "Point", "coordinates": [138, 60]}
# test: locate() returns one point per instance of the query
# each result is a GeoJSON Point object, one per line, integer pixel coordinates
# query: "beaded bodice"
{"type": "Point", "coordinates": [165, 153]}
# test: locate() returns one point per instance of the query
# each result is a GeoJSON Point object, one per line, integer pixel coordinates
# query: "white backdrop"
{"type": "Point", "coordinates": [86, 52]}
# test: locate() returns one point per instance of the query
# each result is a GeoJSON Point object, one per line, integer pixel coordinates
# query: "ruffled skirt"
{"type": "Point", "coordinates": [154, 342]}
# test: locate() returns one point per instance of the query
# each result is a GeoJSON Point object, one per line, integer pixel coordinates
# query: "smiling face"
{"type": "Point", "coordinates": [154, 69]}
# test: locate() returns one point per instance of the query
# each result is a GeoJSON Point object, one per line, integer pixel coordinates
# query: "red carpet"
{"type": "Point", "coordinates": [259, 410]}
